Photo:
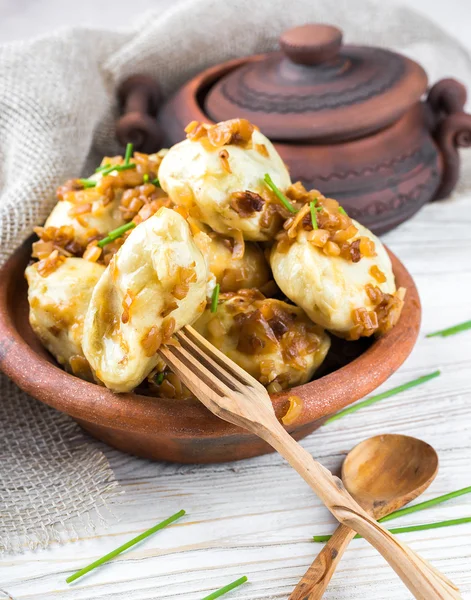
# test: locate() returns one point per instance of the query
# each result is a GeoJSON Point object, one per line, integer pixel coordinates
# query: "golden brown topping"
{"type": "Point", "coordinates": [168, 329]}
{"type": "Point", "coordinates": [262, 149]}
{"type": "Point", "coordinates": [294, 411]}
{"type": "Point", "coordinates": [80, 367]}
{"type": "Point", "coordinates": [57, 238]}
{"type": "Point", "coordinates": [234, 131]}
{"type": "Point", "coordinates": [152, 341]}
{"type": "Point", "coordinates": [48, 265]}
{"type": "Point", "coordinates": [376, 272]}
{"type": "Point", "coordinates": [135, 200]}
{"type": "Point", "coordinates": [170, 307]}
{"type": "Point", "coordinates": [331, 249]}
{"type": "Point", "coordinates": [367, 246]}
{"type": "Point", "coordinates": [246, 203]}
{"type": "Point", "coordinates": [386, 313]}
{"type": "Point", "coordinates": [126, 304]}
{"type": "Point", "coordinates": [224, 156]}
{"type": "Point", "coordinates": [238, 248]}
{"type": "Point", "coordinates": [92, 252]}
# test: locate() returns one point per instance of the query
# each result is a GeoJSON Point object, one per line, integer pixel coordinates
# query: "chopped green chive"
{"type": "Point", "coordinates": [116, 233]}
{"type": "Point", "coordinates": [427, 504]}
{"type": "Point", "coordinates": [87, 183]}
{"type": "Point", "coordinates": [313, 215]}
{"type": "Point", "coordinates": [118, 168]}
{"type": "Point", "coordinates": [281, 197]}
{"type": "Point", "coordinates": [423, 527]}
{"type": "Point", "coordinates": [128, 154]}
{"type": "Point", "coordinates": [159, 379]}
{"type": "Point", "coordinates": [451, 330]}
{"type": "Point", "coordinates": [156, 182]}
{"type": "Point", "coordinates": [215, 298]}
{"type": "Point", "coordinates": [102, 168]}
{"type": "Point", "coordinates": [387, 394]}
{"type": "Point", "coordinates": [343, 211]}
{"type": "Point", "coordinates": [125, 546]}
{"type": "Point", "coordinates": [145, 177]}
{"type": "Point", "coordinates": [226, 589]}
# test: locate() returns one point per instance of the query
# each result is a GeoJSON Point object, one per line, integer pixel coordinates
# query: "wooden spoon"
{"type": "Point", "coordinates": [383, 474]}
{"type": "Point", "coordinates": [233, 395]}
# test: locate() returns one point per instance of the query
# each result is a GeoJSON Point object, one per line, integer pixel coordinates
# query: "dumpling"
{"type": "Point", "coordinates": [273, 341]}
{"type": "Point", "coordinates": [340, 273]}
{"type": "Point", "coordinates": [218, 174]}
{"type": "Point", "coordinates": [59, 293]}
{"type": "Point", "coordinates": [154, 285]}
{"type": "Point", "coordinates": [233, 274]}
{"type": "Point", "coordinates": [94, 206]}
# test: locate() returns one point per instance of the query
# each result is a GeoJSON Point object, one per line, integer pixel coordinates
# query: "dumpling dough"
{"type": "Point", "coordinates": [153, 286]}
{"type": "Point", "coordinates": [191, 173]}
{"type": "Point", "coordinates": [58, 305]}
{"type": "Point", "coordinates": [233, 274]}
{"type": "Point", "coordinates": [268, 338]}
{"type": "Point", "coordinates": [330, 288]}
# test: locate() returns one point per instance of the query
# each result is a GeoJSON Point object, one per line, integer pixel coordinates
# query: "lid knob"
{"type": "Point", "coordinates": [311, 44]}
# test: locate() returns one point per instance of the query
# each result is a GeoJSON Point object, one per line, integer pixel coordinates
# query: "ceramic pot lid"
{"type": "Point", "coordinates": [316, 89]}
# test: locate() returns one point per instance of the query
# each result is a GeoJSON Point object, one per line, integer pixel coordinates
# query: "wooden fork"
{"type": "Point", "coordinates": [233, 395]}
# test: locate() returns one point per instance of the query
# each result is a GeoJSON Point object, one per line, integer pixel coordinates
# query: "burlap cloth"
{"type": "Point", "coordinates": [57, 110]}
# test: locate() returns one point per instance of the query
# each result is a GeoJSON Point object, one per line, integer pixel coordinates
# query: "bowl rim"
{"type": "Point", "coordinates": [89, 402]}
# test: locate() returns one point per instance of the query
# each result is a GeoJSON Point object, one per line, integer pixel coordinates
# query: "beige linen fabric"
{"type": "Point", "coordinates": [57, 110]}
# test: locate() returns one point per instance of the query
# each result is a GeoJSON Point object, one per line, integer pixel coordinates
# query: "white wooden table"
{"type": "Point", "coordinates": [256, 517]}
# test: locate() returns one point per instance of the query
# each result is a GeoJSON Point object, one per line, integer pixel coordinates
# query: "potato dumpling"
{"type": "Point", "coordinates": [58, 302]}
{"type": "Point", "coordinates": [218, 172]}
{"type": "Point", "coordinates": [273, 341]}
{"type": "Point", "coordinates": [233, 274]}
{"type": "Point", "coordinates": [154, 285]}
{"type": "Point", "coordinates": [349, 298]}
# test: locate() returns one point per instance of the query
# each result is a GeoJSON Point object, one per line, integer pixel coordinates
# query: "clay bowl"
{"type": "Point", "coordinates": [185, 431]}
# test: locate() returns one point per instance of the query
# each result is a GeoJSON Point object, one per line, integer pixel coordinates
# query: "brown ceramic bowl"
{"type": "Point", "coordinates": [185, 431]}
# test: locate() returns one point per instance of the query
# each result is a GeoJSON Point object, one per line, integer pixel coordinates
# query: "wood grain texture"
{"type": "Point", "coordinates": [257, 517]}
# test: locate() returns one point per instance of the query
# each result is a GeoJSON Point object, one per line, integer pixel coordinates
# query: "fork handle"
{"type": "Point", "coordinates": [423, 580]}
{"type": "Point", "coordinates": [316, 579]}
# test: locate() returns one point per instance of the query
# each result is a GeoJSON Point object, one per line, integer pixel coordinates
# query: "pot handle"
{"type": "Point", "coordinates": [139, 97]}
{"type": "Point", "coordinates": [451, 129]}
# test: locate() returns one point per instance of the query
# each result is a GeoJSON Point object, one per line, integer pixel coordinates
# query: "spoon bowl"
{"type": "Point", "coordinates": [385, 472]}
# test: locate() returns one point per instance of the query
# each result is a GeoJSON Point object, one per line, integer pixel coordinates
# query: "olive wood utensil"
{"type": "Point", "coordinates": [383, 474]}
{"type": "Point", "coordinates": [233, 395]}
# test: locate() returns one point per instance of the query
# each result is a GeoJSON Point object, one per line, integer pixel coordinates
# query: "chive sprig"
{"type": "Point", "coordinates": [279, 194]}
{"type": "Point", "coordinates": [215, 298]}
{"type": "Point", "coordinates": [116, 233]}
{"type": "Point", "coordinates": [451, 330]}
{"type": "Point", "coordinates": [126, 546]}
{"type": "Point", "coordinates": [383, 395]}
{"type": "Point", "coordinates": [226, 589]}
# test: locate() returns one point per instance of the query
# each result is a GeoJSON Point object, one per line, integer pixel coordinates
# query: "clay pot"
{"type": "Point", "coordinates": [347, 120]}
{"type": "Point", "coordinates": [185, 431]}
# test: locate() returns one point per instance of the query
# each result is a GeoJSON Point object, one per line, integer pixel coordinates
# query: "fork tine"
{"type": "Point", "coordinates": [221, 359]}
{"type": "Point", "coordinates": [204, 358]}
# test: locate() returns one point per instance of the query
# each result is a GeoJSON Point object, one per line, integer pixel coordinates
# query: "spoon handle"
{"type": "Point", "coordinates": [316, 579]}
{"type": "Point", "coordinates": [424, 581]}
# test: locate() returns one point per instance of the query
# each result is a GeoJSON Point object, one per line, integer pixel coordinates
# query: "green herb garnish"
{"type": "Point", "coordinates": [313, 215]}
{"type": "Point", "coordinates": [423, 527]}
{"type": "Point", "coordinates": [226, 589]}
{"type": "Point", "coordinates": [387, 394]}
{"type": "Point", "coordinates": [451, 330]}
{"type": "Point", "coordinates": [145, 177]}
{"type": "Point", "coordinates": [159, 379]}
{"type": "Point", "coordinates": [215, 298]}
{"type": "Point", "coordinates": [156, 182]}
{"type": "Point", "coordinates": [87, 183]}
{"type": "Point", "coordinates": [102, 168]}
{"type": "Point", "coordinates": [411, 509]}
{"type": "Point", "coordinates": [118, 168]}
{"type": "Point", "coordinates": [427, 504]}
{"type": "Point", "coordinates": [127, 156]}
{"type": "Point", "coordinates": [343, 211]}
{"type": "Point", "coordinates": [281, 197]}
{"type": "Point", "coordinates": [116, 233]}
{"type": "Point", "coordinates": [125, 546]}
